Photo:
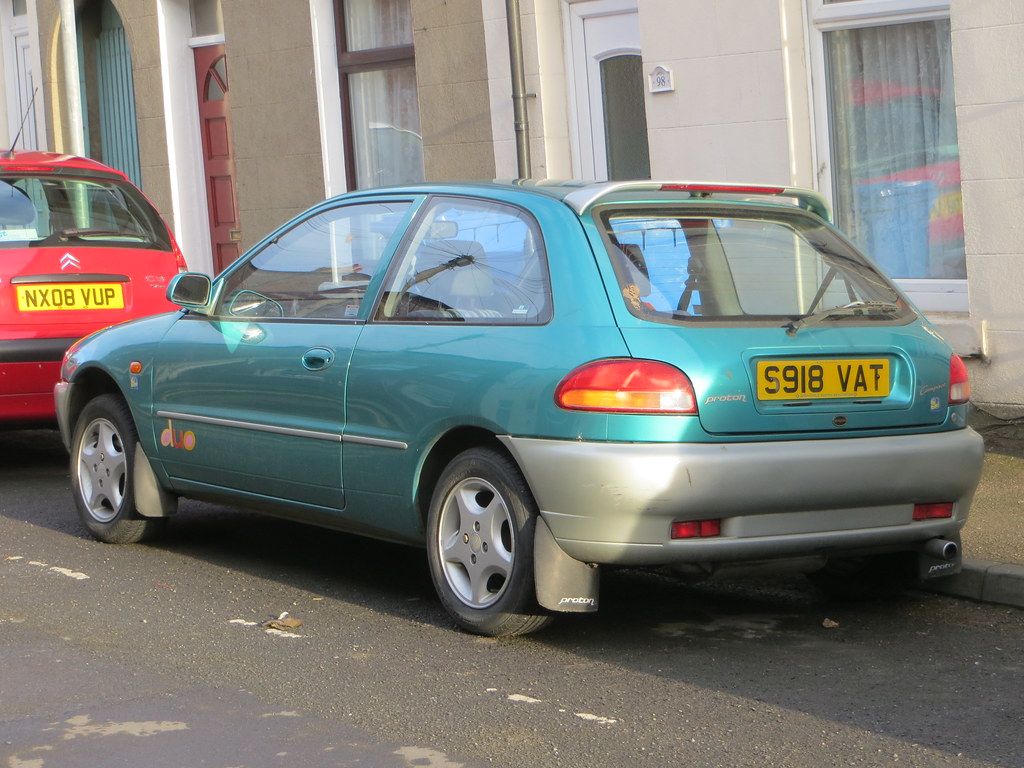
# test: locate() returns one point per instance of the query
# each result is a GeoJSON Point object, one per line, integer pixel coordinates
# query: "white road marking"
{"type": "Point", "coordinates": [523, 698]}
{"type": "Point", "coordinates": [81, 726]}
{"type": "Point", "coordinates": [428, 758]}
{"type": "Point", "coordinates": [55, 568]}
{"type": "Point", "coordinates": [281, 714]}
{"type": "Point", "coordinates": [243, 622]}
{"type": "Point", "coordinates": [596, 718]}
{"type": "Point", "coordinates": [69, 573]}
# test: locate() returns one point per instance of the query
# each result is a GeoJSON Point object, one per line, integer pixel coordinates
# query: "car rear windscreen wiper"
{"type": "Point", "coordinates": [866, 308]}
{"type": "Point", "coordinates": [79, 232]}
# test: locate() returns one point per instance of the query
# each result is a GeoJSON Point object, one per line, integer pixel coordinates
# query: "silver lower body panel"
{"type": "Point", "coordinates": [614, 503]}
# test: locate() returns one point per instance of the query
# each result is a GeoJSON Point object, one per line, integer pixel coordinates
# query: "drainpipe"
{"type": "Point", "coordinates": [515, 55]}
{"type": "Point", "coordinates": [72, 80]}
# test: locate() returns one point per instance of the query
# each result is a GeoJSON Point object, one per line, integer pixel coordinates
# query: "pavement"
{"type": "Point", "coordinates": [993, 538]}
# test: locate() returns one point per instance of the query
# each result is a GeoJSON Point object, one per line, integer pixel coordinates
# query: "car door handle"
{"type": "Point", "coordinates": [317, 358]}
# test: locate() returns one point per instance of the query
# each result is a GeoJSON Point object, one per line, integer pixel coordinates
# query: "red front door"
{"type": "Point", "coordinates": [218, 157]}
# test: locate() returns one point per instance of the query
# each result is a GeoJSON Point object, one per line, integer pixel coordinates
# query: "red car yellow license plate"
{"type": "Point", "coordinates": [821, 379]}
{"type": "Point", "coordinates": [69, 296]}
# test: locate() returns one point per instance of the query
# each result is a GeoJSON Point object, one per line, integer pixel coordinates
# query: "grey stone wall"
{"type": "Point", "coordinates": [274, 117]}
{"type": "Point", "coordinates": [452, 85]}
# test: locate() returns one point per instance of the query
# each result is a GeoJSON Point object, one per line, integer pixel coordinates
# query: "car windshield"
{"type": "Point", "coordinates": [40, 211]}
{"type": "Point", "coordinates": [678, 266]}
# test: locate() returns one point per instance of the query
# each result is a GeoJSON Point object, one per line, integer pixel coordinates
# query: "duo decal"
{"type": "Point", "coordinates": [176, 438]}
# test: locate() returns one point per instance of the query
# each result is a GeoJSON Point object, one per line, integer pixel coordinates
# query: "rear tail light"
{"type": "Point", "coordinates": [624, 385]}
{"type": "Point", "coordinates": [959, 383]}
{"type": "Point", "coordinates": [933, 511]}
{"type": "Point", "coordinates": [179, 259]}
{"type": "Point", "coordinates": [696, 529]}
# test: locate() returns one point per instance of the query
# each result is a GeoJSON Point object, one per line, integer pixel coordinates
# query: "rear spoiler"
{"type": "Point", "coordinates": [583, 198]}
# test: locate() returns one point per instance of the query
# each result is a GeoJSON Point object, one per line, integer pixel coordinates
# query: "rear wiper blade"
{"type": "Point", "coordinates": [96, 232]}
{"type": "Point", "coordinates": [866, 308]}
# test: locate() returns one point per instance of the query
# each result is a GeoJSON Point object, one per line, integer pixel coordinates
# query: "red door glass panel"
{"type": "Point", "coordinates": [218, 158]}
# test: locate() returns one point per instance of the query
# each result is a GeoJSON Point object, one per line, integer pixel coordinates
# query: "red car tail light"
{"type": "Point", "coordinates": [959, 382]}
{"type": "Point", "coordinates": [933, 511]}
{"type": "Point", "coordinates": [624, 385]}
{"type": "Point", "coordinates": [179, 259]}
{"type": "Point", "coordinates": [696, 529]}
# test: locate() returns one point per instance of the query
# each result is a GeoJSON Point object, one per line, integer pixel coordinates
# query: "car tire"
{"type": "Point", "coordinates": [867, 578]}
{"type": "Point", "coordinates": [102, 473]}
{"type": "Point", "coordinates": [480, 530]}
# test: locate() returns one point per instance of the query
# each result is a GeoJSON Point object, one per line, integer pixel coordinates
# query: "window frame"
{"type": "Point", "coordinates": [354, 62]}
{"type": "Point", "coordinates": [929, 294]}
{"type": "Point", "coordinates": [370, 297]}
{"type": "Point", "coordinates": [376, 315]}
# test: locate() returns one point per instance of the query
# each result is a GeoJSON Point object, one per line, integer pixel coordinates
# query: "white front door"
{"type": "Point", "coordinates": [21, 78]}
{"type": "Point", "coordinates": [607, 83]}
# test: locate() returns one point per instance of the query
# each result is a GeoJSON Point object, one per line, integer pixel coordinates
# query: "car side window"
{"type": "Point", "coordinates": [317, 269]}
{"type": "Point", "coordinates": [470, 261]}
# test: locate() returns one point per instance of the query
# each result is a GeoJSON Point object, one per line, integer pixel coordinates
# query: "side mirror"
{"type": "Point", "coordinates": [190, 290]}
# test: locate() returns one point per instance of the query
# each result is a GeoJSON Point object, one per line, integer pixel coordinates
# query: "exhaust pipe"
{"type": "Point", "coordinates": [941, 549]}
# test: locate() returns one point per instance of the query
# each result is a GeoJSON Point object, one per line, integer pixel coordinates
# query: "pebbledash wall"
{"type": "Point", "coordinates": [750, 102]}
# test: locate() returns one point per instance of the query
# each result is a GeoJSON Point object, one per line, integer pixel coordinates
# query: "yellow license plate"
{"type": "Point", "coordinates": [821, 379]}
{"type": "Point", "coordinates": [64, 296]}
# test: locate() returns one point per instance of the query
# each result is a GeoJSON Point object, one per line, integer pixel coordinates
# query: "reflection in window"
{"type": "Point", "coordinates": [207, 18]}
{"type": "Point", "coordinates": [895, 150]}
{"type": "Point", "coordinates": [471, 261]}
{"type": "Point", "coordinates": [318, 269]}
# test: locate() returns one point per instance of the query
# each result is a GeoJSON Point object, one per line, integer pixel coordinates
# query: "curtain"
{"type": "Point", "coordinates": [894, 147]}
{"type": "Point", "coordinates": [386, 127]}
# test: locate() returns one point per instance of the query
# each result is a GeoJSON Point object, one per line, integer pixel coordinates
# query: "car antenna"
{"type": "Point", "coordinates": [10, 152]}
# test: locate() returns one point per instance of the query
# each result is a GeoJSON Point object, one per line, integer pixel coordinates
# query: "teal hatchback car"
{"type": "Point", "coordinates": [537, 380]}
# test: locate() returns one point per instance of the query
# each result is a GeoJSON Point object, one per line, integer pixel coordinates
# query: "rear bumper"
{"type": "Point", "coordinates": [615, 502]}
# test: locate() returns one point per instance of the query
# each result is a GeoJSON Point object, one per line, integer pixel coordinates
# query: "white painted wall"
{"type": "Point", "coordinates": [545, 81]}
{"type": "Point", "coordinates": [191, 222]}
{"type": "Point", "coordinates": [328, 96]}
{"type": "Point", "coordinates": [988, 72]}
{"type": "Point", "coordinates": [727, 119]}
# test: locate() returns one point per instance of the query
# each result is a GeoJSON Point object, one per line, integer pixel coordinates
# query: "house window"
{"type": "Point", "coordinates": [377, 69]}
{"type": "Point", "coordinates": [887, 139]}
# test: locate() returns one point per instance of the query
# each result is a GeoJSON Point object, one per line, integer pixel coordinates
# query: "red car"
{"type": "Point", "coordinates": [81, 248]}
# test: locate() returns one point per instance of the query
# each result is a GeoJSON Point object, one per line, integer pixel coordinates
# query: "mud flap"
{"type": "Point", "coordinates": [151, 499]}
{"type": "Point", "coordinates": [929, 567]}
{"type": "Point", "coordinates": [563, 584]}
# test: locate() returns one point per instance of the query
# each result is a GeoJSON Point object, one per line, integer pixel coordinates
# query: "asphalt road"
{"type": "Point", "coordinates": [152, 660]}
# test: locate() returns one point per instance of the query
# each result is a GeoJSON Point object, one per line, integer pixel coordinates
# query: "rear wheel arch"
{"type": "Point", "coordinates": [441, 454]}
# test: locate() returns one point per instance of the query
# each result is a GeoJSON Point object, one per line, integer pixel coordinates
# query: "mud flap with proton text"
{"type": "Point", "coordinates": [563, 583]}
{"type": "Point", "coordinates": [930, 567]}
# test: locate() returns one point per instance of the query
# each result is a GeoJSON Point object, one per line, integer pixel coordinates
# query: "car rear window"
{"type": "Point", "coordinates": [678, 266]}
{"type": "Point", "coordinates": [38, 211]}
